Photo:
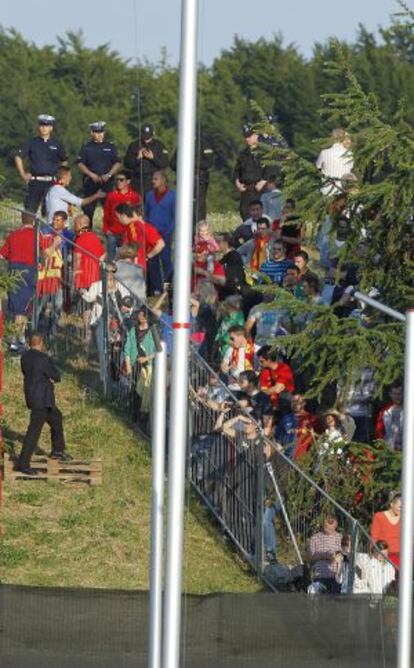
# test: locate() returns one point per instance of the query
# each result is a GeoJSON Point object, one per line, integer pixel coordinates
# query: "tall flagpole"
{"type": "Point", "coordinates": [405, 594]}
{"type": "Point", "coordinates": [181, 326]}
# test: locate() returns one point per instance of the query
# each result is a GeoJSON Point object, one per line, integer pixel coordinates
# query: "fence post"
{"type": "Point", "coordinates": [105, 332]}
{"type": "Point", "coordinates": [258, 551]}
{"type": "Point", "coordinates": [354, 547]}
{"type": "Point", "coordinates": [35, 303]}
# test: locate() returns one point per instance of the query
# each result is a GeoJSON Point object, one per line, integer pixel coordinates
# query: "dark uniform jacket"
{"type": "Point", "coordinates": [148, 167]}
{"type": "Point", "coordinates": [203, 164]}
{"type": "Point", "coordinates": [98, 157]}
{"type": "Point", "coordinates": [44, 157]}
{"type": "Point", "coordinates": [38, 371]}
{"type": "Point", "coordinates": [248, 168]}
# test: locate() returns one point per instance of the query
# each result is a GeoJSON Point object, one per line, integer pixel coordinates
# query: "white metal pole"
{"type": "Point", "coordinates": [379, 306]}
{"type": "Point", "coordinates": [407, 520]}
{"type": "Point", "coordinates": [181, 326]}
{"type": "Point", "coordinates": [159, 425]}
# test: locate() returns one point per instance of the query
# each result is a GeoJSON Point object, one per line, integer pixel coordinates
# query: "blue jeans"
{"type": "Point", "coordinates": [160, 267]}
{"type": "Point", "coordinates": [113, 241]}
{"type": "Point", "coordinates": [269, 531]}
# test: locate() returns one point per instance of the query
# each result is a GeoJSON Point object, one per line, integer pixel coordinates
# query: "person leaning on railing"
{"type": "Point", "coordinates": [386, 525]}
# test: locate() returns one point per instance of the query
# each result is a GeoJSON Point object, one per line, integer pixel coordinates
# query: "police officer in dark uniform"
{"type": "Point", "coordinates": [249, 175]}
{"type": "Point", "coordinates": [98, 161]}
{"type": "Point", "coordinates": [203, 165]}
{"type": "Point", "coordinates": [44, 155]}
{"type": "Point", "coordinates": [144, 157]}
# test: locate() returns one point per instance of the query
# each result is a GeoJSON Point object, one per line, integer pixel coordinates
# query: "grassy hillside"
{"type": "Point", "coordinates": [76, 535]}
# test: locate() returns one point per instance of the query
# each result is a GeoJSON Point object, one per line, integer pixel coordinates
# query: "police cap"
{"type": "Point", "coordinates": [45, 119]}
{"type": "Point", "coordinates": [248, 130]}
{"type": "Point", "coordinates": [147, 131]}
{"type": "Point", "coordinates": [98, 126]}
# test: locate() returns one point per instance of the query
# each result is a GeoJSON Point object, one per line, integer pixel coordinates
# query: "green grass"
{"type": "Point", "coordinates": [75, 535]}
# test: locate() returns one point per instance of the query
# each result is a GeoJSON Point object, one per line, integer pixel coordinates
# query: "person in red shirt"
{"type": "Point", "coordinates": [112, 227]}
{"type": "Point", "coordinates": [88, 253]}
{"type": "Point", "coordinates": [206, 268]}
{"type": "Point", "coordinates": [306, 424]}
{"type": "Point", "coordinates": [280, 378]}
{"type": "Point", "coordinates": [141, 234]}
{"type": "Point", "coordinates": [19, 251]}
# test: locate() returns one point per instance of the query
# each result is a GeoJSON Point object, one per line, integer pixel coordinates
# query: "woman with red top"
{"type": "Point", "coordinates": [386, 526]}
{"type": "Point", "coordinates": [112, 228]}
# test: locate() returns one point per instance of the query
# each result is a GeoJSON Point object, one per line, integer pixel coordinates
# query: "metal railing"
{"type": "Point", "coordinates": [265, 504]}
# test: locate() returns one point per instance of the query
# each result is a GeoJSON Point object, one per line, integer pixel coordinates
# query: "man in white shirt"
{"type": "Point", "coordinates": [335, 162]}
{"type": "Point", "coordinates": [59, 198]}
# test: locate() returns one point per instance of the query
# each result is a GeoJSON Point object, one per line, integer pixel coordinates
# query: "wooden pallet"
{"type": "Point", "coordinates": [77, 470]}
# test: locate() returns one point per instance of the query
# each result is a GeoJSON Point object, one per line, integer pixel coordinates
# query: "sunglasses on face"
{"type": "Point", "coordinates": [120, 178]}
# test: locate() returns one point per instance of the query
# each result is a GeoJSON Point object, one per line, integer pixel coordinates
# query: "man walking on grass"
{"type": "Point", "coordinates": [40, 375]}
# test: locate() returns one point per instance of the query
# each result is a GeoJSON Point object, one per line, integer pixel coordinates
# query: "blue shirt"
{"type": "Point", "coordinates": [161, 214]}
{"type": "Point", "coordinates": [99, 157]}
{"type": "Point", "coordinates": [276, 269]}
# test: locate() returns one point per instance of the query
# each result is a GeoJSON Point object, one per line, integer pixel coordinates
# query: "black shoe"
{"type": "Point", "coordinates": [27, 471]}
{"type": "Point", "coordinates": [61, 456]}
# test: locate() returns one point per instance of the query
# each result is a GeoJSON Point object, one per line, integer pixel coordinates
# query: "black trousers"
{"type": "Point", "coordinates": [38, 417]}
{"type": "Point", "coordinates": [90, 188]}
{"type": "Point", "coordinates": [200, 201]}
{"type": "Point", "coordinates": [35, 195]}
{"type": "Point", "coordinates": [248, 196]}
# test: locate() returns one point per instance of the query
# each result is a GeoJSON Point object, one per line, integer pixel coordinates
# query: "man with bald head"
{"type": "Point", "coordinates": [40, 375]}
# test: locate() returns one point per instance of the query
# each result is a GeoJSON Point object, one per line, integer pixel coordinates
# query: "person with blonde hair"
{"type": "Point", "coordinates": [335, 162]}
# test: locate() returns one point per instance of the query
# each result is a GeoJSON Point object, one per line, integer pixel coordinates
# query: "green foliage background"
{"type": "Point", "coordinates": [78, 85]}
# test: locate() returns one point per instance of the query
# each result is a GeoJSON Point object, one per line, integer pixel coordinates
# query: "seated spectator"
{"type": "Point", "coordinates": [269, 322]}
{"type": "Point", "coordinates": [275, 268]}
{"type": "Point", "coordinates": [229, 314]}
{"type": "Point", "coordinates": [204, 234]}
{"type": "Point", "coordinates": [389, 425]}
{"type": "Point", "coordinates": [112, 227]}
{"type": "Point", "coordinates": [59, 198]}
{"type": "Point", "coordinates": [232, 265]}
{"type": "Point", "coordinates": [248, 228]}
{"type": "Point", "coordinates": [323, 546]}
{"type": "Point", "coordinates": [146, 238]}
{"type": "Point", "coordinates": [386, 526]}
{"type": "Point", "coordinates": [240, 356]}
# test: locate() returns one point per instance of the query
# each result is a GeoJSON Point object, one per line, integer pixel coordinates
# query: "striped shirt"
{"type": "Point", "coordinates": [276, 269]}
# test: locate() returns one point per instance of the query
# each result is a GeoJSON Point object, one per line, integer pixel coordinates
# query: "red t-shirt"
{"type": "Point", "coordinates": [196, 278]}
{"type": "Point", "coordinates": [19, 246]}
{"type": "Point", "coordinates": [382, 529]}
{"type": "Point", "coordinates": [110, 220]}
{"type": "Point", "coordinates": [283, 374]}
{"type": "Point", "coordinates": [89, 266]}
{"type": "Point", "coordinates": [145, 235]}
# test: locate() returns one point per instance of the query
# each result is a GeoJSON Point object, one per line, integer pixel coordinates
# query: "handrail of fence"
{"type": "Point", "coordinates": [265, 503]}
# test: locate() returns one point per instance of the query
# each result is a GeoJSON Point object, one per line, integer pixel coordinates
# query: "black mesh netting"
{"type": "Point", "coordinates": [76, 628]}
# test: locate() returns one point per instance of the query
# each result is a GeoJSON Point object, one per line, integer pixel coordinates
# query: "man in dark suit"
{"type": "Point", "coordinates": [40, 375]}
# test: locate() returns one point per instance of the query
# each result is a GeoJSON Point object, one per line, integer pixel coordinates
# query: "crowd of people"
{"type": "Point", "coordinates": [240, 281]}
